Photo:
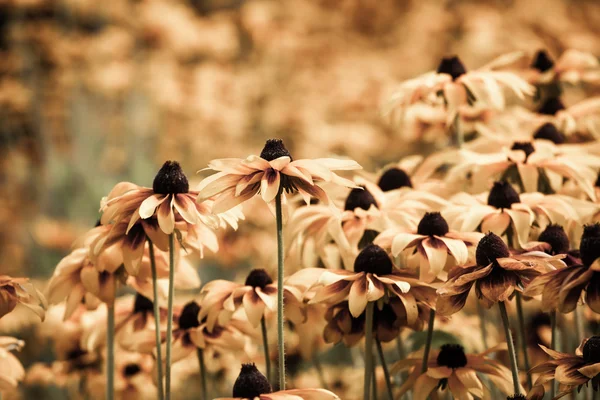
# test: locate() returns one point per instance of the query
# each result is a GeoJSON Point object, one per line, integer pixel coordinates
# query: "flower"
{"type": "Point", "coordinates": [554, 240]}
{"type": "Point", "coordinates": [496, 275]}
{"type": "Point", "coordinates": [570, 371]}
{"type": "Point", "coordinates": [15, 291]}
{"type": "Point", "coordinates": [373, 278]}
{"type": "Point", "coordinates": [11, 370]}
{"type": "Point", "coordinates": [573, 67]}
{"type": "Point", "coordinates": [252, 385]}
{"type": "Point", "coordinates": [450, 368]}
{"type": "Point", "coordinates": [221, 298]}
{"type": "Point", "coordinates": [432, 241]}
{"type": "Point", "coordinates": [269, 174]}
{"type": "Point", "coordinates": [561, 289]}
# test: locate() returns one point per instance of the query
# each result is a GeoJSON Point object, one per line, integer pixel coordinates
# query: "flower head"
{"type": "Point", "coordinates": [15, 291]}
{"type": "Point", "coordinates": [11, 369]}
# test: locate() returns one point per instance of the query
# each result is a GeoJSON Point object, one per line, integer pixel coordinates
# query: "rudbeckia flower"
{"type": "Point", "coordinates": [252, 385]}
{"type": "Point", "coordinates": [450, 368]}
{"type": "Point", "coordinates": [571, 371]}
{"type": "Point", "coordinates": [496, 276]}
{"type": "Point", "coordinates": [554, 240]}
{"type": "Point", "coordinates": [432, 241]}
{"type": "Point", "coordinates": [269, 174]}
{"type": "Point", "coordinates": [15, 291]}
{"type": "Point", "coordinates": [11, 369]}
{"type": "Point", "coordinates": [573, 67]}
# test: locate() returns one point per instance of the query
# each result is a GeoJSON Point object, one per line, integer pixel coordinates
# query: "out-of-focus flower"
{"type": "Point", "coordinates": [433, 242]}
{"type": "Point", "coordinates": [450, 368]}
{"type": "Point", "coordinates": [269, 174]}
{"type": "Point", "coordinates": [15, 291]}
{"type": "Point", "coordinates": [496, 275]}
{"type": "Point", "coordinates": [11, 370]}
{"type": "Point", "coordinates": [251, 384]}
{"type": "Point", "coordinates": [571, 371]}
{"type": "Point", "coordinates": [573, 67]}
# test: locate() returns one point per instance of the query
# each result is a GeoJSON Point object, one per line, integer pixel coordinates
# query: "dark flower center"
{"type": "Point", "coordinates": [433, 224]}
{"type": "Point", "coordinates": [591, 350]}
{"type": "Point", "coordinates": [250, 383]}
{"type": "Point", "coordinates": [516, 397]}
{"type": "Point", "coordinates": [556, 237]}
{"type": "Point", "coordinates": [452, 356]}
{"type": "Point", "coordinates": [490, 247]}
{"type": "Point", "coordinates": [590, 244]}
{"type": "Point", "coordinates": [189, 316]}
{"type": "Point", "coordinates": [542, 61]}
{"type": "Point", "coordinates": [142, 304]}
{"type": "Point", "coordinates": [549, 132]}
{"type": "Point", "coordinates": [373, 259]}
{"type": "Point", "coordinates": [551, 106]}
{"type": "Point", "coordinates": [597, 184]}
{"type": "Point", "coordinates": [394, 178]}
{"type": "Point", "coordinates": [451, 66]}
{"type": "Point", "coordinates": [274, 149]}
{"type": "Point", "coordinates": [258, 278]}
{"type": "Point", "coordinates": [503, 195]}
{"type": "Point", "coordinates": [359, 198]}
{"type": "Point", "coordinates": [98, 223]}
{"type": "Point", "coordinates": [170, 179]}
{"type": "Point", "coordinates": [131, 370]}
{"type": "Point", "coordinates": [527, 147]}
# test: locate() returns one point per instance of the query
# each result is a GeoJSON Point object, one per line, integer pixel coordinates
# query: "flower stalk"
{"type": "Point", "coordinates": [368, 349]}
{"type": "Point", "coordinates": [170, 315]}
{"type": "Point", "coordinates": [202, 366]}
{"type": "Point", "coordinates": [511, 348]}
{"type": "Point", "coordinates": [553, 346]}
{"type": "Point", "coordinates": [110, 352]}
{"type": "Point", "coordinates": [263, 325]}
{"type": "Point", "coordinates": [280, 275]}
{"type": "Point", "coordinates": [156, 310]}
{"type": "Point", "coordinates": [523, 338]}
{"type": "Point", "coordinates": [386, 372]}
{"type": "Point", "coordinates": [428, 340]}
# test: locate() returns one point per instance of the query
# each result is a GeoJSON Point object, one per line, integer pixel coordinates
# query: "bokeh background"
{"type": "Point", "coordinates": [97, 92]}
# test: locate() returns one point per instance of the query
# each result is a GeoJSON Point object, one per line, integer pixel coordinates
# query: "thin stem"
{"type": "Point", "coordinates": [368, 349]}
{"type": "Point", "coordinates": [460, 136]}
{"type": "Point", "coordinates": [156, 309]}
{"type": "Point", "coordinates": [374, 375]}
{"type": "Point", "coordinates": [200, 354]}
{"type": "Point", "coordinates": [511, 347]}
{"type": "Point", "coordinates": [428, 342]}
{"type": "Point", "coordinates": [280, 274]}
{"type": "Point", "coordinates": [263, 325]}
{"type": "Point", "coordinates": [110, 352]}
{"type": "Point", "coordinates": [402, 356]}
{"type": "Point", "coordinates": [170, 314]}
{"type": "Point", "coordinates": [523, 338]}
{"type": "Point", "coordinates": [553, 346]}
{"type": "Point", "coordinates": [386, 372]}
{"type": "Point", "coordinates": [320, 372]}
{"type": "Point", "coordinates": [580, 330]}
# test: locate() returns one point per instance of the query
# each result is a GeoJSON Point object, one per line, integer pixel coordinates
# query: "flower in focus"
{"type": "Point", "coordinates": [496, 275]}
{"type": "Point", "coordinates": [432, 241]}
{"type": "Point", "coordinates": [554, 240]}
{"type": "Point", "coordinates": [271, 173]}
{"type": "Point", "coordinates": [450, 368]}
{"type": "Point", "coordinates": [253, 385]}
{"type": "Point", "coordinates": [11, 370]}
{"type": "Point", "coordinates": [570, 371]}
{"type": "Point", "coordinates": [15, 291]}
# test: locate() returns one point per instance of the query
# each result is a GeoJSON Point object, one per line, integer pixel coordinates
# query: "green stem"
{"type": "Point", "coordinates": [374, 375]}
{"type": "Point", "coordinates": [511, 347]}
{"type": "Point", "coordinates": [265, 338]}
{"type": "Point", "coordinates": [368, 349]}
{"type": "Point", "coordinates": [280, 275]}
{"type": "Point", "coordinates": [428, 342]}
{"type": "Point", "coordinates": [200, 354]}
{"type": "Point", "coordinates": [156, 308]}
{"type": "Point", "coordinates": [386, 372]}
{"type": "Point", "coordinates": [320, 372]}
{"type": "Point", "coordinates": [110, 353]}
{"type": "Point", "coordinates": [170, 314]}
{"type": "Point", "coordinates": [523, 338]}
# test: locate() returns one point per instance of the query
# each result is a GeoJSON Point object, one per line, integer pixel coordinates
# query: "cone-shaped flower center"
{"type": "Point", "coordinates": [170, 179]}
{"type": "Point", "coordinates": [394, 178]}
{"type": "Point", "coordinates": [490, 247]}
{"type": "Point", "coordinates": [189, 316]}
{"type": "Point", "coordinates": [452, 356]}
{"type": "Point", "coordinates": [274, 149]}
{"type": "Point", "coordinates": [503, 195]}
{"type": "Point", "coordinates": [590, 244]}
{"type": "Point", "coordinates": [433, 224]}
{"type": "Point", "coordinates": [542, 61]}
{"type": "Point", "coordinates": [131, 370]}
{"type": "Point", "coordinates": [551, 106]}
{"type": "Point", "coordinates": [527, 147]}
{"type": "Point", "coordinates": [556, 237]}
{"type": "Point", "coordinates": [591, 350]}
{"type": "Point", "coordinates": [452, 66]}
{"type": "Point", "coordinates": [373, 259]}
{"type": "Point", "coordinates": [360, 198]}
{"type": "Point", "coordinates": [250, 383]}
{"type": "Point", "coordinates": [258, 278]}
{"type": "Point", "coordinates": [142, 304]}
{"type": "Point", "coordinates": [549, 132]}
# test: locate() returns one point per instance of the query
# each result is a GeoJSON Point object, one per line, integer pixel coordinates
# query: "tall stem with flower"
{"type": "Point", "coordinates": [156, 310]}
{"type": "Point", "coordinates": [170, 315]}
{"type": "Point", "coordinates": [280, 275]}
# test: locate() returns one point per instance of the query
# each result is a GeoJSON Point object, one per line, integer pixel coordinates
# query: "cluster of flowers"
{"type": "Point", "coordinates": [512, 211]}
